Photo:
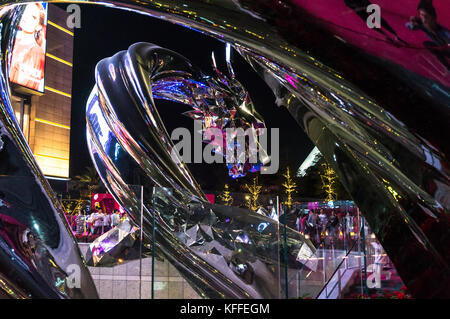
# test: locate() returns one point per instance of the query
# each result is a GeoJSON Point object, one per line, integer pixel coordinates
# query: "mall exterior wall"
{"type": "Point", "coordinates": [50, 113]}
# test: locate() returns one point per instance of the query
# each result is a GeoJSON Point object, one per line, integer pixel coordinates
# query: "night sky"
{"type": "Point", "coordinates": [105, 31]}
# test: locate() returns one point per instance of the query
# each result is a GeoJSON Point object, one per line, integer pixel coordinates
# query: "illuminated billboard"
{"type": "Point", "coordinates": [28, 55]}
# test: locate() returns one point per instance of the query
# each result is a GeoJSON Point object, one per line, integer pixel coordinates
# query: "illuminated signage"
{"type": "Point", "coordinates": [28, 55]}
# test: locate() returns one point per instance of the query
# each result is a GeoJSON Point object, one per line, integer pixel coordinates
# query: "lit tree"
{"type": "Point", "coordinates": [289, 187]}
{"type": "Point", "coordinates": [254, 190]}
{"type": "Point", "coordinates": [328, 177]}
{"type": "Point", "coordinates": [226, 196]}
{"type": "Point", "coordinates": [88, 183]}
{"type": "Point", "coordinates": [248, 201]}
{"type": "Point", "coordinates": [71, 206]}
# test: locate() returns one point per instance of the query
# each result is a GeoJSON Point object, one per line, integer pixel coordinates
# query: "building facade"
{"type": "Point", "coordinates": [45, 117]}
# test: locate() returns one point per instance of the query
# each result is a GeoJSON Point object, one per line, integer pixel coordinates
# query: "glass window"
{"type": "Point", "coordinates": [21, 109]}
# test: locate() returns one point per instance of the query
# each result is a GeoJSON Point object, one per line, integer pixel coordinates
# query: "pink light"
{"type": "Point", "coordinates": [291, 80]}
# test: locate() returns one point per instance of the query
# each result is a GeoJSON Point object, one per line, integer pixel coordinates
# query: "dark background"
{"type": "Point", "coordinates": [105, 31]}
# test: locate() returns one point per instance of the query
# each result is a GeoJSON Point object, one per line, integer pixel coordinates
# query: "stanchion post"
{"type": "Point", "coordinates": [141, 242]}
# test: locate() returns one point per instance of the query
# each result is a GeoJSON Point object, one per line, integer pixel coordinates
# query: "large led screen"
{"type": "Point", "coordinates": [28, 56]}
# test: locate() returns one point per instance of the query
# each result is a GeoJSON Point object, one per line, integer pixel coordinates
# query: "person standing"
{"type": "Point", "coordinates": [298, 221]}
{"type": "Point", "coordinates": [115, 218]}
{"type": "Point", "coordinates": [85, 225]}
{"type": "Point", "coordinates": [106, 222]}
{"type": "Point", "coordinates": [322, 221]}
{"type": "Point", "coordinates": [348, 223]}
{"type": "Point", "coordinates": [90, 223]}
{"type": "Point", "coordinates": [333, 223]}
{"type": "Point", "coordinates": [303, 223]}
{"type": "Point", "coordinates": [313, 227]}
{"type": "Point", "coordinates": [79, 221]}
{"type": "Point", "coordinates": [98, 221]}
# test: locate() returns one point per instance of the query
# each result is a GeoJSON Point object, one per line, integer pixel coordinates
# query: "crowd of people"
{"type": "Point", "coordinates": [94, 224]}
{"type": "Point", "coordinates": [323, 224]}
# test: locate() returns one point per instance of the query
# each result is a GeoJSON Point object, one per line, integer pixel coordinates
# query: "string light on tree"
{"type": "Point", "coordinates": [328, 177]}
{"type": "Point", "coordinates": [248, 201]}
{"type": "Point", "coordinates": [255, 191]}
{"type": "Point", "coordinates": [289, 187]}
{"type": "Point", "coordinates": [226, 197]}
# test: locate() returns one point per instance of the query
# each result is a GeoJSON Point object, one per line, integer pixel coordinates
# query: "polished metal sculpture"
{"type": "Point", "coordinates": [374, 101]}
{"type": "Point", "coordinates": [222, 251]}
{"type": "Point", "coordinates": [39, 257]}
{"type": "Point", "coordinates": [118, 244]}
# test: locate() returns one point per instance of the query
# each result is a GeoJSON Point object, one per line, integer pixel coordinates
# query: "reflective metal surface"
{"type": "Point", "coordinates": [39, 257]}
{"type": "Point", "coordinates": [117, 245]}
{"type": "Point", "coordinates": [374, 101]}
{"type": "Point", "coordinates": [223, 251]}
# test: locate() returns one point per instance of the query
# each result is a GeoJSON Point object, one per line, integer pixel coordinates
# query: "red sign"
{"type": "Point", "coordinates": [106, 203]}
{"type": "Point", "coordinates": [211, 198]}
